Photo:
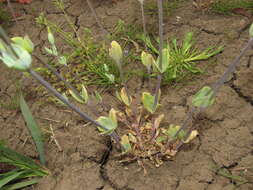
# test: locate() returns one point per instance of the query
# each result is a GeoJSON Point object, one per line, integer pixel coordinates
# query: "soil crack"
{"type": "Point", "coordinates": [238, 91]}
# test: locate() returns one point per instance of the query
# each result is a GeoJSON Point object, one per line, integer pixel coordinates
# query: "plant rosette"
{"type": "Point", "coordinates": [143, 133]}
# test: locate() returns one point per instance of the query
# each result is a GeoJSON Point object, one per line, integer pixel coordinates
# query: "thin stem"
{"type": "Point", "coordinates": [67, 84]}
{"type": "Point", "coordinates": [160, 14]}
{"type": "Point", "coordinates": [143, 21]}
{"type": "Point", "coordinates": [159, 77]}
{"type": "Point", "coordinates": [231, 68]}
{"type": "Point", "coordinates": [158, 85]}
{"type": "Point", "coordinates": [215, 89]}
{"type": "Point", "coordinates": [96, 17]}
{"type": "Point", "coordinates": [74, 108]}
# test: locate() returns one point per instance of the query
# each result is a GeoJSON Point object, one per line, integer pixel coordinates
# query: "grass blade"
{"type": "Point", "coordinates": [33, 128]}
{"type": "Point", "coordinates": [9, 178]}
{"type": "Point", "coordinates": [20, 185]}
{"type": "Point", "coordinates": [11, 157]}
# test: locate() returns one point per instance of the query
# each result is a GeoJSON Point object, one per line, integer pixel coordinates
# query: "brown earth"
{"type": "Point", "coordinates": [85, 160]}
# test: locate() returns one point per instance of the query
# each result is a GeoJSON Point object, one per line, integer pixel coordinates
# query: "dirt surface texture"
{"type": "Point", "coordinates": [85, 160]}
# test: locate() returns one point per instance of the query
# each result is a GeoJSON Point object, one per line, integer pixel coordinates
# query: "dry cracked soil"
{"type": "Point", "coordinates": [84, 160]}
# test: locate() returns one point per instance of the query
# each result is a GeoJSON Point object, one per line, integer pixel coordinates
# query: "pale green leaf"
{"type": "Point", "coordinates": [115, 52]}
{"type": "Point", "coordinates": [204, 98]}
{"type": "Point", "coordinates": [33, 128]}
{"type": "Point", "coordinates": [148, 102]}
{"type": "Point", "coordinates": [125, 143]}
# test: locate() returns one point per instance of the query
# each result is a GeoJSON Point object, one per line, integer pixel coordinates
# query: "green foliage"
{"type": "Point", "coordinates": [204, 98]}
{"type": "Point", "coordinates": [88, 61]}
{"type": "Point", "coordinates": [226, 6]}
{"type": "Point", "coordinates": [251, 31]}
{"type": "Point", "coordinates": [110, 122]}
{"type": "Point", "coordinates": [33, 128]}
{"type": "Point", "coordinates": [183, 58]}
{"type": "Point", "coordinates": [25, 173]}
{"type": "Point", "coordinates": [148, 102]}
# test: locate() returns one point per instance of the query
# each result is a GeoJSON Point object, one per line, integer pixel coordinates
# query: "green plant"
{"type": "Point", "coordinates": [227, 6]}
{"type": "Point", "coordinates": [184, 57]}
{"type": "Point", "coordinates": [33, 128]}
{"type": "Point", "coordinates": [24, 171]}
{"type": "Point", "coordinates": [88, 62]}
{"type": "Point", "coordinates": [236, 179]}
{"type": "Point", "coordinates": [137, 127]}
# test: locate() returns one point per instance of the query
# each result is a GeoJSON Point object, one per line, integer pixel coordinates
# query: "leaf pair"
{"type": "Point", "coordinates": [109, 123]}
{"type": "Point", "coordinates": [148, 60]}
{"type": "Point", "coordinates": [16, 55]}
{"type": "Point", "coordinates": [53, 50]}
{"type": "Point", "coordinates": [84, 96]}
{"type": "Point", "coordinates": [124, 97]}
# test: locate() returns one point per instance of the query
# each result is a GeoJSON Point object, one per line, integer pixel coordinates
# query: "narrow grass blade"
{"type": "Point", "coordinates": [33, 127]}
{"type": "Point", "coordinates": [9, 178]}
{"type": "Point", "coordinates": [11, 157]}
{"type": "Point", "coordinates": [20, 185]}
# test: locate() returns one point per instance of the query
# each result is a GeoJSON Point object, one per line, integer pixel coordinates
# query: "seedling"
{"type": "Point", "coordinates": [26, 172]}
{"type": "Point", "coordinates": [183, 58]}
{"type": "Point", "coordinates": [89, 63]}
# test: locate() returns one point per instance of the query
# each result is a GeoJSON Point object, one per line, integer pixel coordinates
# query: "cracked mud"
{"type": "Point", "coordinates": [87, 161]}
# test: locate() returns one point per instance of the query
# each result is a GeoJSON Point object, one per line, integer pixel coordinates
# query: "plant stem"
{"type": "Point", "coordinates": [231, 68]}
{"type": "Point", "coordinates": [159, 77]}
{"type": "Point", "coordinates": [215, 88]}
{"type": "Point", "coordinates": [73, 107]}
{"type": "Point", "coordinates": [96, 17]}
{"type": "Point", "coordinates": [143, 22]}
{"type": "Point", "coordinates": [67, 84]}
{"type": "Point", "coordinates": [160, 14]}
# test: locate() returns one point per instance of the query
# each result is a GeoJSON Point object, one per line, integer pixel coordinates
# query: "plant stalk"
{"type": "Point", "coordinates": [143, 21]}
{"type": "Point", "coordinates": [215, 88]}
{"type": "Point", "coordinates": [113, 135]}
{"type": "Point", "coordinates": [231, 68]}
{"type": "Point", "coordinates": [159, 77]}
{"type": "Point", "coordinates": [96, 17]}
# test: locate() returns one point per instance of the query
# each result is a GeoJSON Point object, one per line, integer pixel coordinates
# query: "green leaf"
{"type": "Point", "coordinates": [172, 130]}
{"type": "Point", "coordinates": [149, 44]}
{"type": "Point", "coordinates": [108, 123]}
{"type": "Point", "coordinates": [204, 98]}
{"type": "Point", "coordinates": [147, 59]}
{"type": "Point", "coordinates": [187, 43]}
{"type": "Point", "coordinates": [33, 128]}
{"type": "Point", "coordinates": [124, 97]}
{"type": "Point", "coordinates": [23, 60]}
{"type": "Point", "coordinates": [98, 96]}
{"type": "Point", "coordinates": [50, 36]}
{"type": "Point", "coordinates": [9, 178]}
{"type": "Point", "coordinates": [148, 102]}
{"type": "Point", "coordinates": [165, 61]}
{"type": "Point", "coordinates": [126, 143]}
{"type": "Point", "coordinates": [251, 30]}
{"type": "Point", "coordinates": [111, 77]}
{"type": "Point", "coordinates": [115, 52]}
{"type": "Point", "coordinates": [21, 184]}
{"type": "Point", "coordinates": [113, 116]}
{"type": "Point", "coordinates": [20, 161]}
{"type": "Point", "coordinates": [25, 43]}
{"type": "Point", "coordinates": [49, 51]}
{"type": "Point", "coordinates": [62, 60]}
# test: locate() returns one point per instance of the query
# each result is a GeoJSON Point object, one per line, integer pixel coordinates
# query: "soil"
{"type": "Point", "coordinates": [84, 160]}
